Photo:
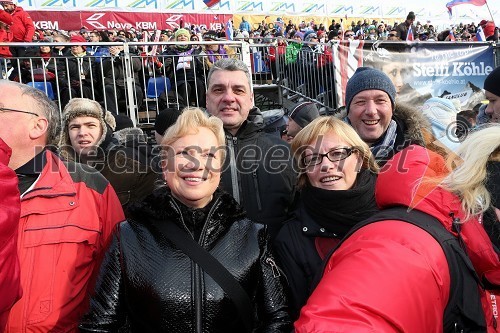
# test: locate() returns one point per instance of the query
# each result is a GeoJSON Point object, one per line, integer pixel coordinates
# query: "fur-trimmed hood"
{"type": "Point", "coordinates": [160, 205]}
{"type": "Point", "coordinates": [417, 127]}
{"type": "Point", "coordinates": [130, 134]}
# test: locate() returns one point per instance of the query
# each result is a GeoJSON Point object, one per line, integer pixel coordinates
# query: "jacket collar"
{"type": "Point", "coordinates": [160, 205]}
{"type": "Point", "coordinates": [54, 179]}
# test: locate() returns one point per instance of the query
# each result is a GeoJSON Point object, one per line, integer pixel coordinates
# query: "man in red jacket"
{"type": "Point", "coordinates": [10, 208]}
{"type": "Point", "coordinates": [21, 29]}
{"type": "Point", "coordinates": [68, 213]}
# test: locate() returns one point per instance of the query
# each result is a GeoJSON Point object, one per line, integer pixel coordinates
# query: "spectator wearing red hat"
{"type": "Point", "coordinates": [21, 26]}
{"type": "Point", "coordinates": [75, 78]}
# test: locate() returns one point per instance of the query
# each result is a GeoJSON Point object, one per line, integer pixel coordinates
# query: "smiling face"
{"type": "Point", "coordinates": [84, 133]}
{"type": "Point", "coordinates": [493, 108]}
{"type": "Point", "coordinates": [370, 114]}
{"type": "Point", "coordinates": [229, 98]}
{"type": "Point", "coordinates": [192, 169]}
{"type": "Point", "coordinates": [328, 175]}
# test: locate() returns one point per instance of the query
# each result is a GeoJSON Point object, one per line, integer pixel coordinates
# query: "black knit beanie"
{"type": "Point", "coordinates": [303, 113]}
{"type": "Point", "coordinates": [366, 78]}
{"type": "Point", "coordinates": [165, 119]}
{"type": "Point", "coordinates": [492, 82]}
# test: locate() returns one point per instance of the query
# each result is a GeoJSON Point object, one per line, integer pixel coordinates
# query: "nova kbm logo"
{"type": "Point", "coordinates": [92, 20]}
{"type": "Point", "coordinates": [172, 21]}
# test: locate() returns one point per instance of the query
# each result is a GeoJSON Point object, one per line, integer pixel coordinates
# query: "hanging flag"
{"type": "Point", "coordinates": [229, 30]}
{"type": "Point", "coordinates": [409, 36]}
{"type": "Point", "coordinates": [211, 3]}
{"type": "Point", "coordinates": [452, 3]}
{"type": "Point", "coordinates": [451, 36]}
{"type": "Point", "coordinates": [480, 37]}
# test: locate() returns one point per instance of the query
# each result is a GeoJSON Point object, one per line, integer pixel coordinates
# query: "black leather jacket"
{"type": "Point", "coordinates": [157, 288]}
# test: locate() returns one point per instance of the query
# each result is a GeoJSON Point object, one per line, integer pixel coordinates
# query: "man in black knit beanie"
{"type": "Point", "coordinates": [492, 92]}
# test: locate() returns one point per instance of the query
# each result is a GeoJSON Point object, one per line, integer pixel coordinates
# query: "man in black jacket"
{"type": "Point", "coordinates": [258, 169]}
{"type": "Point", "coordinates": [115, 77]}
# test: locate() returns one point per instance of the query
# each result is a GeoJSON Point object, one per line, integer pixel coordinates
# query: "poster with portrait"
{"type": "Point", "coordinates": [423, 70]}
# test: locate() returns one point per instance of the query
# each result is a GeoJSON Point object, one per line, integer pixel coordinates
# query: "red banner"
{"type": "Point", "coordinates": [67, 20]}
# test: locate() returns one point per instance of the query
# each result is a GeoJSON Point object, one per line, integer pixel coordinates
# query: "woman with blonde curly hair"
{"type": "Point", "coordinates": [476, 177]}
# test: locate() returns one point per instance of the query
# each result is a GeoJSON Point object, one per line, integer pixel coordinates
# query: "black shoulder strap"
{"type": "Point", "coordinates": [212, 267]}
{"type": "Point", "coordinates": [463, 312]}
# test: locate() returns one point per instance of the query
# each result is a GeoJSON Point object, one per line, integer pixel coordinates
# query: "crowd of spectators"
{"type": "Point", "coordinates": [98, 71]}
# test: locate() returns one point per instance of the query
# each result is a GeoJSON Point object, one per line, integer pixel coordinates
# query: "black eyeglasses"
{"type": "Point", "coordinates": [334, 155]}
{"type": "Point", "coordinates": [14, 110]}
{"type": "Point", "coordinates": [349, 35]}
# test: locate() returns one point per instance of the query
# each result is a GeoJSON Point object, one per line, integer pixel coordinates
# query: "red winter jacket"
{"type": "Point", "coordinates": [10, 208]}
{"type": "Point", "coordinates": [5, 34]}
{"type": "Point", "coordinates": [67, 219]}
{"type": "Point", "coordinates": [391, 276]}
{"type": "Point", "coordinates": [22, 27]}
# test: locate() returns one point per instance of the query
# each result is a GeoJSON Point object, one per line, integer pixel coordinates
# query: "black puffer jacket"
{"type": "Point", "coordinates": [159, 289]}
{"type": "Point", "coordinates": [258, 172]}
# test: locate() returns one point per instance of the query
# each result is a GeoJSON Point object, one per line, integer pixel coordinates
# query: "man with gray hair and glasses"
{"type": "Point", "coordinates": [68, 212]}
{"type": "Point", "coordinates": [258, 169]}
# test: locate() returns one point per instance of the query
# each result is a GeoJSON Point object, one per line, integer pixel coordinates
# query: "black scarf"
{"type": "Point", "coordinates": [339, 211]}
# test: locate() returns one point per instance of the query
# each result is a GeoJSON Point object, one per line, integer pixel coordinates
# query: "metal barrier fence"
{"type": "Point", "coordinates": [147, 77]}
{"type": "Point", "coordinates": [137, 79]}
{"type": "Point", "coordinates": [307, 73]}
{"type": "Point", "coordinates": [310, 71]}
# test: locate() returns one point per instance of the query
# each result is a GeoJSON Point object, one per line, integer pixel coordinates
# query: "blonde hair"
{"type": "Point", "coordinates": [318, 128]}
{"type": "Point", "coordinates": [190, 120]}
{"type": "Point", "coordinates": [469, 175]}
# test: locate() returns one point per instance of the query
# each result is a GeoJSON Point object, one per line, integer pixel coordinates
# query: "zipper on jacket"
{"type": "Point", "coordinates": [274, 267]}
{"type": "Point", "coordinates": [257, 194]}
{"type": "Point", "coordinates": [232, 143]}
{"type": "Point", "coordinates": [196, 276]}
{"type": "Point", "coordinates": [197, 271]}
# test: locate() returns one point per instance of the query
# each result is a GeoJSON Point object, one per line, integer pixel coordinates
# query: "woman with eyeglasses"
{"type": "Point", "coordinates": [337, 175]}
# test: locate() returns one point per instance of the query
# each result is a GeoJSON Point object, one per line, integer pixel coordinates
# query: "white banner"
{"type": "Point", "coordinates": [432, 10]}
